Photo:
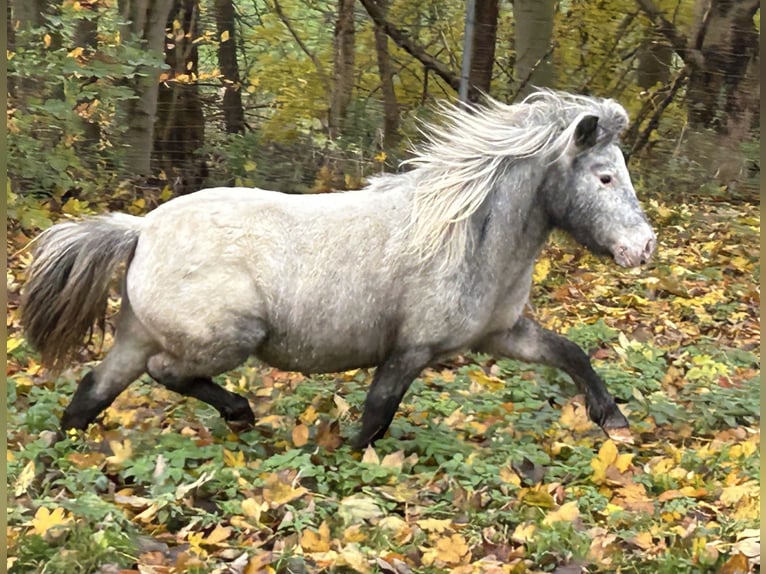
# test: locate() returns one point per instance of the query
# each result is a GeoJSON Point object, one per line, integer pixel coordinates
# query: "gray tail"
{"type": "Point", "coordinates": [67, 285]}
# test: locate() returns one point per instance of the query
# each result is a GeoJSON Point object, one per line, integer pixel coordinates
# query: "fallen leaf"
{"type": "Point", "coordinates": [737, 564]}
{"type": "Point", "coordinates": [359, 507]}
{"type": "Point", "coordinates": [318, 541]}
{"type": "Point", "coordinates": [122, 452]}
{"type": "Point", "coordinates": [25, 479]}
{"type": "Point", "coordinates": [435, 524]}
{"type": "Point", "coordinates": [568, 512]}
{"type": "Point", "coordinates": [393, 460]}
{"type": "Point", "coordinates": [277, 493]}
{"type": "Point", "coordinates": [48, 523]}
{"type": "Point", "coordinates": [370, 456]}
{"type": "Point", "coordinates": [300, 435]}
{"type": "Point", "coordinates": [448, 550]}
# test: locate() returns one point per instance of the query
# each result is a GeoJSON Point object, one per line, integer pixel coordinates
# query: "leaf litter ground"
{"type": "Point", "coordinates": [489, 466]}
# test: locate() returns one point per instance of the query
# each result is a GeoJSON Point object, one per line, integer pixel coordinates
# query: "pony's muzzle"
{"type": "Point", "coordinates": [636, 252]}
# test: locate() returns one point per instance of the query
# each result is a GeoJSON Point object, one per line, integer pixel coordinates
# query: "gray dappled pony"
{"type": "Point", "coordinates": [412, 269]}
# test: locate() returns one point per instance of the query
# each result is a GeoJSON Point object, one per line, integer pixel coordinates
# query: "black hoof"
{"type": "Point", "coordinates": [613, 419]}
{"type": "Point", "coordinates": [240, 418]}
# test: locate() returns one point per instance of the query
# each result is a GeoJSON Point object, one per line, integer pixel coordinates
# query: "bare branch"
{"type": "Point", "coordinates": [317, 64]}
{"type": "Point", "coordinates": [680, 43]}
{"type": "Point", "coordinates": [411, 47]}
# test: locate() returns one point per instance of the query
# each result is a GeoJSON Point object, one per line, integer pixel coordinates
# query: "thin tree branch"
{"type": "Point", "coordinates": [411, 47]}
{"type": "Point", "coordinates": [680, 43]}
{"type": "Point", "coordinates": [317, 64]}
{"type": "Point", "coordinates": [643, 138]}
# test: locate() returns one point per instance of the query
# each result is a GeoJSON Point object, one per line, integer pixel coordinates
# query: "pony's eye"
{"type": "Point", "coordinates": [606, 179]}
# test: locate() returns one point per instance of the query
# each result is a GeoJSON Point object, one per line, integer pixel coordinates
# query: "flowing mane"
{"type": "Point", "coordinates": [459, 164]}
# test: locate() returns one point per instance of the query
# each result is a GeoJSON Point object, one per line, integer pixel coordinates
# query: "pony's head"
{"type": "Point", "coordinates": [587, 189]}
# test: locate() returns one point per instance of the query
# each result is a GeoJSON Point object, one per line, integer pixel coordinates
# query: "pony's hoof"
{"type": "Point", "coordinates": [614, 420]}
{"type": "Point", "coordinates": [241, 425]}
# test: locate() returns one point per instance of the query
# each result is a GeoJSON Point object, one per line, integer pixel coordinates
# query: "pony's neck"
{"type": "Point", "coordinates": [512, 225]}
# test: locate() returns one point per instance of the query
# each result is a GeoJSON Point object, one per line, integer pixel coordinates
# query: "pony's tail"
{"type": "Point", "coordinates": [68, 282]}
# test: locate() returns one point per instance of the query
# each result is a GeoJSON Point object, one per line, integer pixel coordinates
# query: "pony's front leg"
{"type": "Point", "coordinates": [528, 341]}
{"type": "Point", "coordinates": [392, 379]}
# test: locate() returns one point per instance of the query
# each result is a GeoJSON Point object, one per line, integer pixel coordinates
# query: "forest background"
{"type": "Point", "coordinates": [120, 105]}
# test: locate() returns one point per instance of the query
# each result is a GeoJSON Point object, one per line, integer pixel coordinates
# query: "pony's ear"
{"type": "Point", "coordinates": [585, 132]}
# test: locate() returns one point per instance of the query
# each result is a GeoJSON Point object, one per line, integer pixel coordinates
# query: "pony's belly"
{"type": "Point", "coordinates": [307, 358]}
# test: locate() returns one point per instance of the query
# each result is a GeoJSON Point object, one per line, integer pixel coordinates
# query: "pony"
{"type": "Point", "coordinates": [415, 267]}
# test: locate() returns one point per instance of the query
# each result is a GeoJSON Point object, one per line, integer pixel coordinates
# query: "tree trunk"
{"type": "Point", "coordinates": [480, 75]}
{"type": "Point", "coordinates": [233, 112]}
{"type": "Point", "coordinates": [654, 60]}
{"type": "Point", "coordinates": [180, 131]}
{"type": "Point", "coordinates": [25, 16]}
{"type": "Point", "coordinates": [385, 70]}
{"type": "Point", "coordinates": [86, 37]}
{"type": "Point", "coordinates": [728, 40]}
{"type": "Point", "coordinates": [146, 20]}
{"type": "Point", "coordinates": [343, 70]}
{"type": "Point", "coordinates": [533, 31]}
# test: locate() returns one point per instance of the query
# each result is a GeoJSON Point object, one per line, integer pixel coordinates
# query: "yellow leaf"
{"type": "Point", "coordinates": [643, 540]}
{"type": "Point", "coordinates": [76, 53]}
{"type": "Point", "coordinates": [25, 479]}
{"type": "Point", "coordinates": [381, 157]}
{"type": "Point", "coordinates": [342, 405]}
{"type": "Point", "coordinates": [542, 268]}
{"type": "Point", "coordinates": [46, 521]}
{"type": "Point", "coordinates": [86, 460]}
{"type": "Point", "coordinates": [452, 550]}
{"type": "Point", "coordinates": [309, 416]}
{"type": "Point", "coordinates": [608, 452]}
{"type": "Point", "coordinates": [195, 542]}
{"type": "Point", "coordinates": [300, 435]}
{"type": "Point", "coordinates": [234, 459]}
{"type": "Point", "coordinates": [507, 474]}
{"type": "Point", "coordinates": [575, 417]}
{"type": "Point", "coordinates": [254, 508]}
{"type": "Point", "coordinates": [122, 452]}
{"type": "Point", "coordinates": [393, 460]}
{"type": "Point", "coordinates": [732, 495]}
{"type": "Point", "coordinates": [250, 166]}
{"type": "Point", "coordinates": [434, 524]}
{"type": "Point", "coordinates": [47, 40]}
{"type": "Point", "coordinates": [538, 498]}
{"type": "Point", "coordinates": [12, 343]}
{"type": "Point", "coordinates": [318, 541]}
{"type": "Point", "coordinates": [568, 512]}
{"type": "Point", "coordinates": [353, 557]}
{"type": "Point", "coordinates": [488, 382]}
{"type": "Point", "coordinates": [354, 533]}
{"type": "Point", "coordinates": [260, 564]}
{"type": "Point", "coordinates": [73, 206]}
{"type": "Point", "coordinates": [225, 36]}
{"type": "Point", "coordinates": [147, 515]}
{"type": "Point", "coordinates": [370, 456]}
{"type": "Point", "coordinates": [218, 535]}
{"type": "Point", "coordinates": [277, 493]}
{"type": "Point", "coordinates": [523, 532]}
{"type": "Point", "coordinates": [623, 462]}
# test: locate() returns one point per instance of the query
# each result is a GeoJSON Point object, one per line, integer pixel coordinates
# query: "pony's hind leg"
{"type": "Point", "coordinates": [124, 363]}
{"type": "Point", "coordinates": [187, 380]}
